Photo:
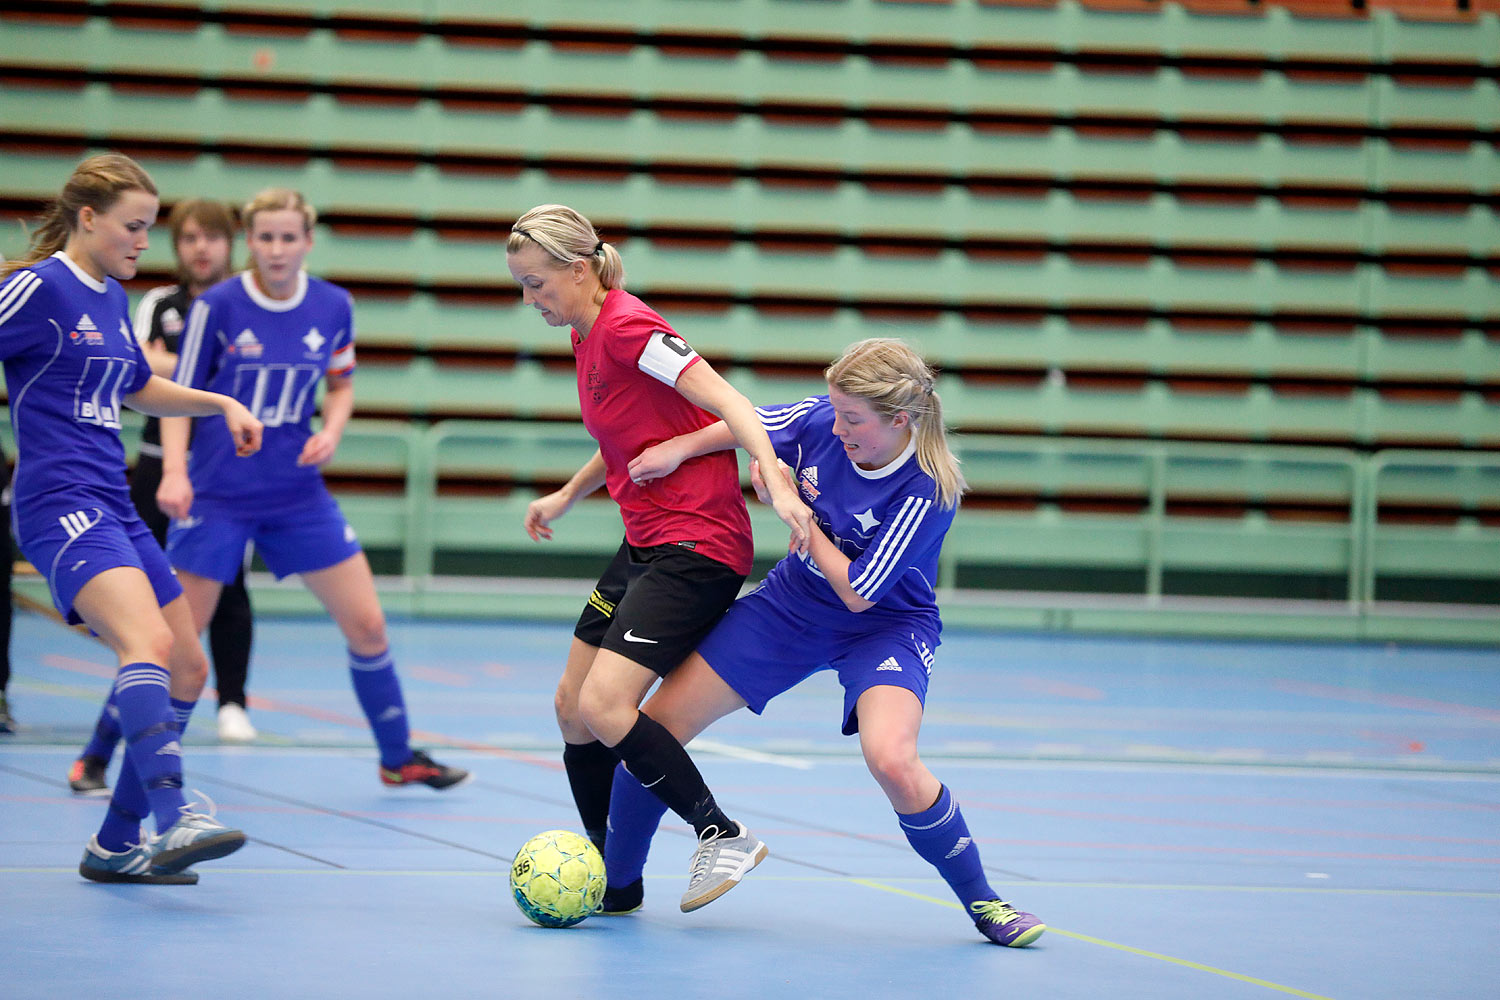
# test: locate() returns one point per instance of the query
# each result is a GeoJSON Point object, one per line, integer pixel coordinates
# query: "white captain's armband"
{"type": "Point", "coordinates": [342, 363]}
{"type": "Point", "coordinates": [666, 356]}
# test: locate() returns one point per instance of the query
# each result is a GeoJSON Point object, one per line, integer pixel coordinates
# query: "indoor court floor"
{"type": "Point", "coordinates": [1193, 819]}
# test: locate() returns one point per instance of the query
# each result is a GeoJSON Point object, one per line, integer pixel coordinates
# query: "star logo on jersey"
{"type": "Point", "coordinates": [867, 521]}
{"type": "Point", "coordinates": [808, 478]}
{"type": "Point", "coordinates": [246, 345]}
{"type": "Point", "coordinates": [314, 341]}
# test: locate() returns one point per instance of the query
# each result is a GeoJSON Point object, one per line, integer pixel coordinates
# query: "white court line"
{"type": "Point", "coordinates": [744, 753]}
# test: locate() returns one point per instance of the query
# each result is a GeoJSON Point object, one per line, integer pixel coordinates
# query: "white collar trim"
{"type": "Point", "coordinates": [80, 273]}
{"type": "Point", "coordinates": [260, 298]}
{"type": "Point", "coordinates": [891, 466]}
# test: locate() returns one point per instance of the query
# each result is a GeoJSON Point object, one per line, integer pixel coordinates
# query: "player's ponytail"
{"type": "Point", "coordinates": [568, 236]}
{"type": "Point", "coordinates": [95, 183]}
{"type": "Point", "coordinates": [893, 378]}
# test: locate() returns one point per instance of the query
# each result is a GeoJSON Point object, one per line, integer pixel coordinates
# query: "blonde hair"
{"type": "Point", "coordinates": [95, 183]}
{"type": "Point", "coordinates": [277, 200]}
{"type": "Point", "coordinates": [893, 379]}
{"type": "Point", "coordinates": [567, 236]}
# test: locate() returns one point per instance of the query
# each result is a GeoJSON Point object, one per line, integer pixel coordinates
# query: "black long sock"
{"type": "Point", "coordinates": [591, 772]}
{"type": "Point", "coordinates": [659, 762]}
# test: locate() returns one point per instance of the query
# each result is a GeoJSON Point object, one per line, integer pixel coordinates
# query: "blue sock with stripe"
{"type": "Point", "coordinates": [940, 835]}
{"type": "Point", "coordinates": [379, 692]}
{"type": "Point", "coordinates": [106, 737]}
{"type": "Point", "coordinates": [128, 804]}
{"type": "Point", "coordinates": [634, 814]}
{"type": "Point", "coordinates": [152, 770]}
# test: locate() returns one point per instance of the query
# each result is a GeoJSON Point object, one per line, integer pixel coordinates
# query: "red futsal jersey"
{"type": "Point", "coordinates": [628, 367]}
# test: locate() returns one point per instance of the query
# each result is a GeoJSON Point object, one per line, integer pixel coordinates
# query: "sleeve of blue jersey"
{"type": "Point", "coordinates": [198, 346]}
{"type": "Point", "coordinates": [909, 527]}
{"type": "Point", "coordinates": [785, 424]}
{"type": "Point", "coordinates": [24, 302]}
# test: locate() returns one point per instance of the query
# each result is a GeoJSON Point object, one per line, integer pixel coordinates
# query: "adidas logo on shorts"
{"type": "Point", "coordinates": [889, 664]}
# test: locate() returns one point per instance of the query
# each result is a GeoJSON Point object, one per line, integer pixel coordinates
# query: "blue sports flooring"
{"type": "Point", "coordinates": [1193, 819]}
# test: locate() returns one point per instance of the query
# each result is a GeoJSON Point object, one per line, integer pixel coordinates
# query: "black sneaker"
{"type": "Point", "coordinates": [7, 721]}
{"type": "Point", "coordinates": [87, 776]}
{"type": "Point", "coordinates": [423, 770]}
{"type": "Point", "coordinates": [625, 899]}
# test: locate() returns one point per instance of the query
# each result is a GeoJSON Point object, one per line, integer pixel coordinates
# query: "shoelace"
{"type": "Point", "coordinates": [994, 910]}
{"type": "Point", "coordinates": [701, 855]}
{"type": "Point", "coordinates": [195, 816]}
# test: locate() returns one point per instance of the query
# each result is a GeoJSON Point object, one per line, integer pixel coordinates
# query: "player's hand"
{"type": "Point", "coordinates": [784, 500]}
{"type": "Point", "coordinates": [175, 495]}
{"type": "Point", "coordinates": [656, 462]}
{"type": "Point", "coordinates": [318, 449]}
{"type": "Point", "coordinates": [244, 429]}
{"type": "Point", "coordinates": [542, 511]}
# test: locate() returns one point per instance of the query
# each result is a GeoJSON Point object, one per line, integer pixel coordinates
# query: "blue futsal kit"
{"type": "Point", "coordinates": [270, 354]}
{"type": "Point", "coordinates": [71, 358]}
{"type": "Point", "coordinates": [890, 523]}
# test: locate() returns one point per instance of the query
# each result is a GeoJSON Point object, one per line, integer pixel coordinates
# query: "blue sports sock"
{"type": "Point", "coordinates": [182, 711]}
{"type": "Point", "coordinates": [379, 692]}
{"type": "Point", "coordinates": [634, 814]}
{"type": "Point", "coordinates": [151, 743]}
{"type": "Point", "coordinates": [128, 805]}
{"type": "Point", "coordinates": [102, 744]}
{"type": "Point", "coordinates": [940, 835]}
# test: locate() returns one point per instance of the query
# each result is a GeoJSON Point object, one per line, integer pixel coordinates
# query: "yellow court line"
{"type": "Point", "coordinates": [1196, 966]}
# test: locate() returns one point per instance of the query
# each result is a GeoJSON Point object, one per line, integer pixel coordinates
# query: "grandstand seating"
{"type": "Point", "coordinates": [1189, 269]}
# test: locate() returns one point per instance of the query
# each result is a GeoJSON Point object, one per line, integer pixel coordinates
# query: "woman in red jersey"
{"type": "Point", "coordinates": [687, 547]}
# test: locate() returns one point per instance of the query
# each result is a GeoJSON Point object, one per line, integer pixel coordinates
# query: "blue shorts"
{"type": "Point", "coordinates": [70, 543]}
{"type": "Point", "coordinates": [300, 540]}
{"type": "Point", "coordinates": [761, 650]}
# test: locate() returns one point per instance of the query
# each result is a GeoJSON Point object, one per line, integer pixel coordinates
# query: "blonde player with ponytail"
{"type": "Point", "coordinates": [871, 459]}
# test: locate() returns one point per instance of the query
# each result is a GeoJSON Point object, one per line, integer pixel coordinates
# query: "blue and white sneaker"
{"type": "Point", "coordinates": [130, 865]}
{"type": "Point", "coordinates": [1004, 924]}
{"type": "Point", "coordinates": [195, 837]}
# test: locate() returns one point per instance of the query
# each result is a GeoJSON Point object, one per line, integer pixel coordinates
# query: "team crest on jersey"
{"type": "Point", "coordinates": [171, 321]}
{"type": "Point", "coordinates": [809, 481]}
{"type": "Point", "coordinates": [314, 341]}
{"type": "Point", "coordinates": [595, 383]}
{"type": "Point", "coordinates": [246, 346]}
{"type": "Point", "coordinates": [86, 331]}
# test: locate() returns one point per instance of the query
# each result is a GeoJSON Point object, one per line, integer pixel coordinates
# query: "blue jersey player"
{"type": "Point", "coordinates": [268, 337]}
{"type": "Point", "coordinates": [71, 360]}
{"type": "Point", "coordinates": [872, 461]}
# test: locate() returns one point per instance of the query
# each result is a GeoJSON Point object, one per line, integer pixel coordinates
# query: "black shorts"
{"type": "Point", "coordinates": [654, 605]}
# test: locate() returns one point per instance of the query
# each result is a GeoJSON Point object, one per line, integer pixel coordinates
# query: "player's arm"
{"type": "Point", "coordinates": [338, 407]}
{"type": "Point", "coordinates": [542, 511]}
{"type": "Point", "coordinates": [161, 397]}
{"type": "Point", "coordinates": [706, 389]}
{"type": "Point", "coordinates": [147, 334]}
{"type": "Point", "coordinates": [833, 564]}
{"type": "Point", "coordinates": [661, 460]}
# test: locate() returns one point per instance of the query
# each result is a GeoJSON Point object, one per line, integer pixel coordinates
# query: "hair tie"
{"type": "Point", "coordinates": [599, 247]}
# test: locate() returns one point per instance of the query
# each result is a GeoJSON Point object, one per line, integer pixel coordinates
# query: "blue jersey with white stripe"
{"type": "Point", "coordinates": [70, 359]}
{"type": "Point", "coordinates": [888, 521]}
{"type": "Point", "coordinates": [269, 354]}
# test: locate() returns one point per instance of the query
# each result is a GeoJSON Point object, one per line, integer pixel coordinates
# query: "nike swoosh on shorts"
{"type": "Point", "coordinates": [630, 636]}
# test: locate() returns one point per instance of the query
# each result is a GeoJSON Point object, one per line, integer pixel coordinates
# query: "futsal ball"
{"type": "Point", "coordinates": [557, 878]}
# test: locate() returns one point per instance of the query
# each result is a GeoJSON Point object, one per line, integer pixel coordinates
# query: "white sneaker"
{"type": "Point", "coordinates": [719, 863]}
{"type": "Point", "coordinates": [234, 724]}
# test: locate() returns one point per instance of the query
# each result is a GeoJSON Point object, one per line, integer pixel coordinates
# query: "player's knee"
{"type": "Point", "coordinates": [895, 767]}
{"type": "Point", "coordinates": [189, 667]}
{"type": "Point", "coordinates": [569, 718]}
{"type": "Point", "coordinates": [152, 644]}
{"type": "Point", "coordinates": [596, 707]}
{"type": "Point", "coordinates": [365, 633]}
